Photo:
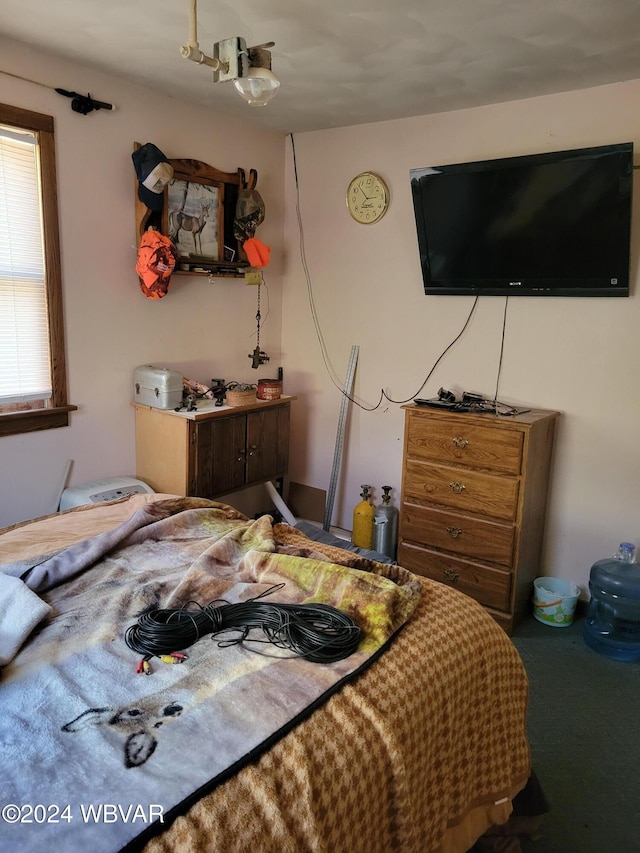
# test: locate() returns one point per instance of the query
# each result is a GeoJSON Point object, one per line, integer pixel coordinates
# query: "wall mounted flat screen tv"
{"type": "Point", "coordinates": [551, 224]}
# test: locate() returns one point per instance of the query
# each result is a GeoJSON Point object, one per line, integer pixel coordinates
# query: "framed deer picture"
{"type": "Point", "coordinates": [198, 214]}
{"type": "Point", "coordinates": [194, 217]}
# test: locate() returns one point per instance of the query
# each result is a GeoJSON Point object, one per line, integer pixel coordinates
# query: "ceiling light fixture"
{"type": "Point", "coordinates": [259, 84]}
{"type": "Point", "coordinates": [248, 67]}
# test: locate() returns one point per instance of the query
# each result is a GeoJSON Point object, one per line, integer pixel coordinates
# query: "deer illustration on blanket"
{"type": "Point", "coordinates": [191, 723]}
{"type": "Point", "coordinates": [140, 722]}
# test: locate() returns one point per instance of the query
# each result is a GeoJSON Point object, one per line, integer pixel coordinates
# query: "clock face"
{"type": "Point", "coordinates": [367, 198]}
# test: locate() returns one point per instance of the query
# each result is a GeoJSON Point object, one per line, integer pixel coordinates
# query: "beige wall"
{"type": "Point", "coordinates": [204, 330]}
{"type": "Point", "coordinates": [579, 356]}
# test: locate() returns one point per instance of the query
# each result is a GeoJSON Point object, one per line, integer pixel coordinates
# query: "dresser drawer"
{"type": "Point", "coordinates": [456, 441]}
{"type": "Point", "coordinates": [491, 587]}
{"type": "Point", "coordinates": [460, 534]}
{"type": "Point", "coordinates": [463, 489]}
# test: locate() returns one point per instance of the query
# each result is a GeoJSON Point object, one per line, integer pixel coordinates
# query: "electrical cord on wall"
{"type": "Point", "coordinates": [321, 341]}
{"type": "Point", "coordinates": [307, 275]}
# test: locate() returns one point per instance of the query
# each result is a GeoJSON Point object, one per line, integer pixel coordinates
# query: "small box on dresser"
{"type": "Point", "coordinates": [473, 505]}
{"type": "Point", "coordinates": [157, 386]}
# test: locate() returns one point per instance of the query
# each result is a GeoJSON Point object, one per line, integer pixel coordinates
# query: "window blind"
{"type": "Point", "coordinates": [25, 373]}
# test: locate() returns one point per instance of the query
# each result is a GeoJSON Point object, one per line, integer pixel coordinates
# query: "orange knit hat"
{"type": "Point", "coordinates": [258, 253]}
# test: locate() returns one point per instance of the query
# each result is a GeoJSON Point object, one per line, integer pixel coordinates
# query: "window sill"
{"type": "Point", "coordinates": [14, 423]}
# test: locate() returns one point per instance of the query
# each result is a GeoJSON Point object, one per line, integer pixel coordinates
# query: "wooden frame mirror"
{"type": "Point", "coordinates": [198, 213]}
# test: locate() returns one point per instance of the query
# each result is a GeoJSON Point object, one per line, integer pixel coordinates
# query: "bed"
{"type": "Point", "coordinates": [416, 742]}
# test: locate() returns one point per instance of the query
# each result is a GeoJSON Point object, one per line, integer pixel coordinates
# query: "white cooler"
{"type": "Point", "coordinates": [157, 386]}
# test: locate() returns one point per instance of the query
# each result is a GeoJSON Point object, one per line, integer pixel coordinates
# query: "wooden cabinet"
{"type": "Point", "coordinates": [212, 452]}
{"type": "Point", "coordinates": [474, 493]}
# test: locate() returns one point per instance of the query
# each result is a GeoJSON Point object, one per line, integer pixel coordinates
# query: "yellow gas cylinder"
{"type": "Point", "coordinates": [363, 514]}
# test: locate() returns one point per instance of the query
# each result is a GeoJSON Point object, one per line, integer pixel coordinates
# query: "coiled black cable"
{"type": "Point", "coordinates": [316, 632]}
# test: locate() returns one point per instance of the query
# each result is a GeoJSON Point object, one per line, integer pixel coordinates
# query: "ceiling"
{"type": "Point", "coordinates": [345, 62]}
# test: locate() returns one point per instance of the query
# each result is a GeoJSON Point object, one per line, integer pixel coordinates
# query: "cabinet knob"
{"type": "Point", "coordinates": [457, 487]}
{"type": "Point", "coordinates": [451, 575]}
{"type": "Point", "coordinates": [460, 442]}
{"type": "Point", "coordinates": [454, 532]}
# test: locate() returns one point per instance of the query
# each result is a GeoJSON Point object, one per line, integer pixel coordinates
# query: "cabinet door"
{"type": "Point", "coordinates": [218, 448]}
{"type": "Point", "coordinates": [267, 443]}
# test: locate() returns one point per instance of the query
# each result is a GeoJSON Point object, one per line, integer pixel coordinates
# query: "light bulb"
{"type": "Point", "coordinates": [258, 87]}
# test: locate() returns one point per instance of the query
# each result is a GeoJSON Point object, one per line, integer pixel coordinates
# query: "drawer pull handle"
{"type": "Point", "coordinates": [457, 487]}
{"type": "Point", "coordinates": [460, 442]}
{"type": "Point", "coordinates": [454, 532]}
{"type": "Point", "coordinates": [451, 575]}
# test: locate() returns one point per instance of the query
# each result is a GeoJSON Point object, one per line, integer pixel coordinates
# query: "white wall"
{"type": "Point", "coordinates": [201, 329]}
{"type": "Point", "coordinates": [576, 355]}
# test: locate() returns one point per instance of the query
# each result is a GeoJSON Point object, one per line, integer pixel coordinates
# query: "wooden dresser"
{"type": "Point", "coordinates": [474, 494]}
{"type": "Point", "coordinates": [214, 450]}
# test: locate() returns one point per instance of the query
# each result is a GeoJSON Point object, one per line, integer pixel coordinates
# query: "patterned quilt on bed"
{"type": "Point", "coordinates": [102, 750]}
{"type": "Point", "coordinates": [420, 754]}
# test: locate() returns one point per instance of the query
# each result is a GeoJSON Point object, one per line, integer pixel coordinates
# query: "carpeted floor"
{"type": "Point", "coordinates": [584, 728]}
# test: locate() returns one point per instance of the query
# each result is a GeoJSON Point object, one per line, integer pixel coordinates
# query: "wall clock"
{"type": "Point", "coordinates": [367, 198]}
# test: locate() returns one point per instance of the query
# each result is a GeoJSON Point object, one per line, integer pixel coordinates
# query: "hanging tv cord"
{"type": "Point", "coordinates": [504, 326]}
{"type": "Point", "coordinates": [440, 357]}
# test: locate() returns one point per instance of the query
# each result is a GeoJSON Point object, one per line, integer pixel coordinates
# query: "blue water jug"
{"type": "Point", "coordinates": [612, 626]}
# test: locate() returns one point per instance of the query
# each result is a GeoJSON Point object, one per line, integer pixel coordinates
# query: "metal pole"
{"type": "Point", "coordinates": [337, 454]}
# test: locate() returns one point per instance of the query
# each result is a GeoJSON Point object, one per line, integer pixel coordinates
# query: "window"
{"type": "Point", "coordinates": [33, 383]}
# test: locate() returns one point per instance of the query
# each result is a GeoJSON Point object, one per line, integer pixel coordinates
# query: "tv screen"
{"type": "Point", "coordinates": [552, 224]}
